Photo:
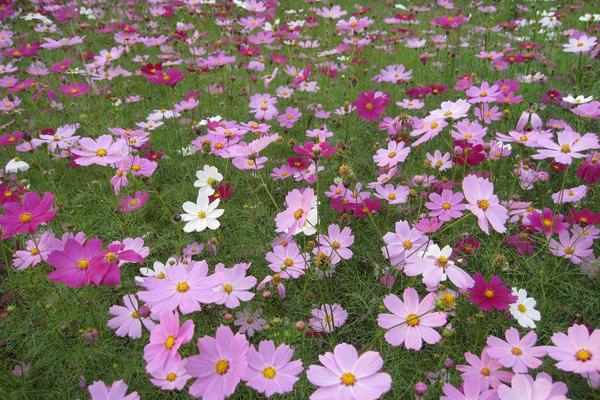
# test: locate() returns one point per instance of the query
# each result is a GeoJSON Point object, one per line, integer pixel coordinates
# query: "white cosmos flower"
{"type": "Point", "coordinates": [158, 270]}
{"type": "Point", "coordinates": [16, 165]}
{"type": "Point", "coordinates": [523, 310]}
{"type": "Point", "coordinates": [202, 214]}
{"type": "Point", "coordinates": [208, 178]}
{"type": "Point", "coordinates": [577, 100]}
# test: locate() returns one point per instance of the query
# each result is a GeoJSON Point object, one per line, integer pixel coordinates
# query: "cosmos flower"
{"type": "Point", "coordinates": [492, 294]}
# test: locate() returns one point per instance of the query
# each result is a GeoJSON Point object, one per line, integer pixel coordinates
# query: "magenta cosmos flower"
{"type": "Point", "coordinates": [371, 105]}
{"type": "Point", "coordinates": [133, 203]}
{"type": "Point", "coordinates": [184, 286]}
{"type": "Point", "coordinates": [345, 375]}
{"type": "Point", "coordinates": [27, 216]}
{"type": "Point", "coordinates": [220, 365]}
{"type": "Point", "coordinates": [99, 391]}
{"type": "Point", "coordinates": [271, 370]}
{"type": "Point", "coordinates": [517, 353]}
{"type": "Point", "coordinates": [73, 261]}
{"type": "Point", "coordinates": [75, 89]}
{"type": "Point", "coordinates": [491, 295]}
{"type": "Point", "coordinates": [483, 203]}
{"type": "Point", "coordinates": [165, 340]}
{"type": "Point", "coordinates": [411, 322]}
{"type": "Point", "coordinates": [578, 351]}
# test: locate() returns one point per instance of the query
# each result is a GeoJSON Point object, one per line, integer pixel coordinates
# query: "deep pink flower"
{"type": "Point", "coordinates": [75, 89]}
{"type": "Point", "coordinates": [133, 203]}
{"type": "Point", "coordinates": [492, 294]}
{"type": "Point", "coordinates": [27, 216]}
{"type": "Point", "coordinates": [72, 263]}
{"type": "Point", "coordinates": [371, 105]}
{"type": "Point", "coordinates": [546, 222]}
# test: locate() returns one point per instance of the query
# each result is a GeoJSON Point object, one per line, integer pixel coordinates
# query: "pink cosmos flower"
{"type": "Point", "coordinates": [445, 206]}
{"type": "Point", "coordinates": [436, 266]}
{"type": "Point", "coordinates": [75, 89]}
{"type": "Point", "coordinates": [170, 77]}
{"type": "Point", "coordinates": [345, 375]}
{"type": "Point", "coordinates": [517, 353]}
{"type": "Point", "coordinates": [27, 216]}
{"type": "Point", "coordinates": [133, 203]}
{"type": "Point", "coordinates": [288, 261]}
{"type": "Point", "coordinates": [487, 370]}
{"type": "Point", "coordinates": [128, 320]}
{"type": "Point", "coordinates": [546, 222]}
{"type": "Point", "coordinates": [483, 203]}
{"type": "Point", "coordinates": [220, 366]}
{"type": "Point", "coordinates": [336, 243]}
{"type": "Point", "coordinates": [104, 267]}
{"type": "Point", "coordinates": [36, 250]}
{"type": "Point", "coordinates": [483, 94]}
{"type": "Point", "coordinates": [234, 285]}
{"type": "Point", "coordinates": [492, 294]}
{"type": "Point", "coordinates": [471, 390]}
{"type": "Point", "coordinates": [165, 340]}
{"type": "Point", "coordinates": [172, 375]}
{"type": "Point", "coordinates": [403, 243]}
{"type": "Point", "coordinates": [263, 106]}
{"type": "Point", "coordinates": [570, 145]}
{"type": "Point", "coordinates": [327, 318]}
{"type": "Point", "coordinates": [102, 151]}
{"type": "Point", "coordinates": [299, 204]}
{"type": "Point", "coordinates": [99, 391]}
{"type": "Point", "coordinates": [73, 261]}
{"type": "Point", "coordinates": [392, 194]}
{"type": "Point", "coordinates": [572, 195]}
{"type": "Point", "coordinates": [394, 154]}
{"type": "Point", "coordinates": [524, 387]}
{"type": "Point", "coordinates": [271, 370]}
{"type": "Point", "coordinates": [184, 286]}
{"type": "Point", "coordinates": [371, 105]}
{"type": "Point", "coordinates": [574, 248]}
{"type": "Point", "coordinates": [578, 351]}
{"type": "Point", "coordinates": [289, 117]}
{"type": "Point", "coordinates": [411, 321]}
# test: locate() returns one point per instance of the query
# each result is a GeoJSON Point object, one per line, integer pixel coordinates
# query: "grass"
{"type": "Point", "coordinates": [42, 323]}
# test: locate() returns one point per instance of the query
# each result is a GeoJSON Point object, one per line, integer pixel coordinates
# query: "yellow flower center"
{"type": "Point", "coordinates": [569, 250]}
{"type": "Point", "coordinates": [348, 379]}
{"type": "Point", "coordinates": [412, 320]}
{"type": "Point", "coordinates": [171, 376]}
{"type": "Point", "coordinates": [34, 251]}
{"type": "Point", "coordinates": [110, 257]}
{"type": "Point", "coordinates": [221, 367]}
{"type": "Point", "coordinates": [170, 342]}
{"type": "Point", "coordinates": [299, 213]}
{"type": "Point", "coordinates": [483, 204]}
{"type": "Point", "coordinates": [183, 287]}
{"type": "Point", "coordinates": [516, 351]}
{"type": "Point", "coordinates": [369, 106]}
{"type": "Point", "coordinates": [101, 152]}
{"type": "Point", "coordinates": [269, 372]}
{"type": "Point", "coordinates": [565, 148]}
{"type": "Point", "coordinates": [133, 202]}
{"type": "Point", "coordinates": [228, 288]}
{"type": "Point", "coordinates": [25, 217]}
{"type": "Point", "coordinates": [136, 167]}
{"type": "Point", "coordinates": [448, 300]}
{"type": "Point", "coordinates": [201, 214]}
{"type": "Point", "coordinates": [407, 244]}
{"type": "Point", "coordinates": [392, 154]}
{"type": "Point", "coordinates": [485, 371]}
{"type": "Point", "coordinates": [547, 222]}
{"type": "Point", "coordinates": [489, 293]}
{"type": "Point", "coordinates": [583, 355]}
{"type": "Point", "coordinates": [442, 261]}
{"type": "Point", "coordinates": [446, 205]}
{"type": "Point", "coordinates": [288, 262]}
{"type": "Point", "coordinates": [160, 275]}
{"type": "Point", "coordinates": [83, 264]}
{"type": "Point", "coordinates": [522, 308]}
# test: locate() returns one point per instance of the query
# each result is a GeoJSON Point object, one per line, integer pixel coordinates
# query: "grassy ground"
{"type": "Point", "coordinates": [42, 323]}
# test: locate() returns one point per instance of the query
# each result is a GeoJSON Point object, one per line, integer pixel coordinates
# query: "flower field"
{"type": "Point", "coordinates": [324, 200]}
